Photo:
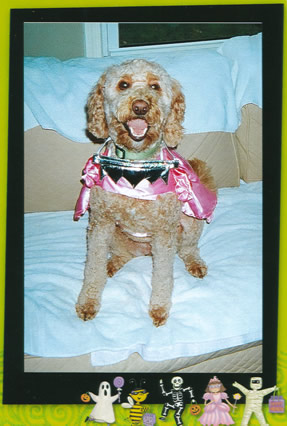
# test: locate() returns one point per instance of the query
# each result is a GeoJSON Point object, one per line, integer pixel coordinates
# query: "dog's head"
{"type": "Point", "coordinates": [137, 104]}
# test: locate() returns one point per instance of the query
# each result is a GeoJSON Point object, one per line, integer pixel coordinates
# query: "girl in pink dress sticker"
{"type": "Point", "coordinates": [216, 412]}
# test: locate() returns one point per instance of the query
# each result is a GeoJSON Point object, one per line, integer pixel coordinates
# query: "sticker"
{"type": "Point", "coordinates": [103, 411]}
{"type": "Point", "coordinates": [254, 399]}
{"type": "Point", "coordinates": [134, 403]}
{"type": "Point", "coordinates": [85, 397]}
{"type": "Point", "coordinates": [216, 411]}
{"type": "Point", "coordinates": [176, 399]}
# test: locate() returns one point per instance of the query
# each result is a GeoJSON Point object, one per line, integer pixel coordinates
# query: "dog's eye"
{"type": "Point", "coordinates": [123, 85]}
{"type": "Point", "coordinates": [155, 86]}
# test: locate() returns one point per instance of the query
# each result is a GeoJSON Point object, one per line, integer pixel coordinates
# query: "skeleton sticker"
{"type": "Point", "coordinates": [176, 395]}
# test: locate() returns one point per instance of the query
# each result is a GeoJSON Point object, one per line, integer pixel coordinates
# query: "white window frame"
{"type": "Point", "coordinates": [102, 39]}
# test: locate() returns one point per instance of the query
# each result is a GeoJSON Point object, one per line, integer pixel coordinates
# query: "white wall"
{"type": "Point", "coordinates": [61, 40]}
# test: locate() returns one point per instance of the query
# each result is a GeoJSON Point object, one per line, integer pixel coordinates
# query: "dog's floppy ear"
{"type": "Point", "coordinates": [97, 123]}
{"type": "Point", "coordinates": [173, 130]}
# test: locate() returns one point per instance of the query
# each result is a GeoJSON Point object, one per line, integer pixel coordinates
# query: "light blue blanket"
{"type": "Point", "coordinates": [221, 311]}
{"type": "Point", "coordinates": [216, 84]}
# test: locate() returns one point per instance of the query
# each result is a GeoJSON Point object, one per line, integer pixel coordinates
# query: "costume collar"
{"type": "Point", "coordinates": [197, 200]}
{"type": "Point", "coordinates": [124, 154]}
{"type": "Point", "coordinates": [132, 170]}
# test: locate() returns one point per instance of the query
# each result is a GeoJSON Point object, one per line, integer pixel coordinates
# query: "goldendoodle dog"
{"type": "Point", "coordinates": [144, 199]}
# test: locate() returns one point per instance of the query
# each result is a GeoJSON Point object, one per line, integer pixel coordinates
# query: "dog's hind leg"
{"type": "Point", "coordinates": [188, 250]}
{"type": "Point", "coordinates": [120, 254]}
{"type": "Point", "coordinates": [191, 229]}
{"type": "Point", "coordinates": [123, 249]}
{"type": "Point", "coordinates": [116, 262]}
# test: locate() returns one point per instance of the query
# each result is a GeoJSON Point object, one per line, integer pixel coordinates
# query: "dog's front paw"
{"type": "Point", "coordinates": [88, 310]}
{"type": "Point", "coordinates": [197, 268]}
{"type": "Point", "coordinates": [159, 315]}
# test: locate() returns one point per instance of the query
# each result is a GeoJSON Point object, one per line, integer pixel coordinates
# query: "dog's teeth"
{"type": "Point", "coordinates": [138, 134]}
{"type": "Point", "coordinates": [138, 127]}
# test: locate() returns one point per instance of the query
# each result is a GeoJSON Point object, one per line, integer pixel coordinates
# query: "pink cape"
{"type": "Point", "coordinates": [197, 200]}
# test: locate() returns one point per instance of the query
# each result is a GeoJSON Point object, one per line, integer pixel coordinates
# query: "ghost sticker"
{"type": "Point", "coordinates": [103, 411]}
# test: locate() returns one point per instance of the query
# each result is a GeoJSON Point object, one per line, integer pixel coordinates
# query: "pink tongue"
{"type": "Point", "coordinates": [137, 126]}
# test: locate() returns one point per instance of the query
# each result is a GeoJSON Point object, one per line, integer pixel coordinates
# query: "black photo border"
{"type": "Point", "coordinates": [51, 388]}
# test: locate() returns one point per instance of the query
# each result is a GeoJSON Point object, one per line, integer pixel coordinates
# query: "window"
{"type": "Point", "coordinates": [103, 39]}
{"type": "Point", "coordinates": [151, 34]}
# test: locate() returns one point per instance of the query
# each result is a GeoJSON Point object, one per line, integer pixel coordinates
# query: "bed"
{"type": "Point", "coordinates": [215, 323]}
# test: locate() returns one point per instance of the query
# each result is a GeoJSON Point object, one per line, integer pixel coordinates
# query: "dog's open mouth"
{"type": "Point", "coordinates": [137, 128]}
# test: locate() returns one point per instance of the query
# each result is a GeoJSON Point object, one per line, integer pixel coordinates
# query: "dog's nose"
{"type": "Point", "coordinates": [140, 107]}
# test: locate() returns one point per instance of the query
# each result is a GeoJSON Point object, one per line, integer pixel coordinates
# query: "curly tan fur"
{"type": "Point", "coordinates": [117, 221]}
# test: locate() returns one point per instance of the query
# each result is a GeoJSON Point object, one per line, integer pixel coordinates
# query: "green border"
{"type": "Point", "coordinates": [75, 414]}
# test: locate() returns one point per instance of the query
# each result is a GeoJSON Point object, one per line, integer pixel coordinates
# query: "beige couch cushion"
{"type": "Point", "coordinates": [218, 151]}
{"type": "Point", "coordinates": [53, 164]}
{"type": "Point", "coordinates": [52, 168]}
{"type": "Point", "coordinates": [249, 143]}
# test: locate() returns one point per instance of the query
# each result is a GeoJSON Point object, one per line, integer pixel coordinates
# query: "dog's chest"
{"type": "Point", "coordinates": [134, 222]}
{"type": "Point", "coordinates": [137, 216]}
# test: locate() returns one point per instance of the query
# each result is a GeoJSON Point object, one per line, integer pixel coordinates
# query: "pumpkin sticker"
{"type": "Point", "coordinates": [85, 397]}
{"type": "Point", "coordinates": [195, 409]}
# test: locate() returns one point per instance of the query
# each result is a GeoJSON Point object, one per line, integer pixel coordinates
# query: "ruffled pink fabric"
{"type": "Point", "coordinates": [197, 200]}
